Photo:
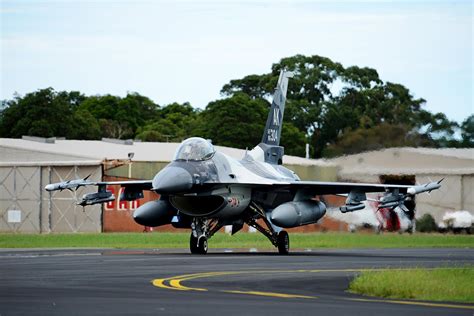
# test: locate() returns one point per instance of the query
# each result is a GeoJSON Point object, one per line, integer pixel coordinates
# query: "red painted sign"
{"type": "Point", "coordinates": [117, 204]}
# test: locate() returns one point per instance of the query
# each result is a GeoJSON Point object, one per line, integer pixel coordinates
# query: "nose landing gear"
{"type": "Point", "coordinates": [198, 245]}
{"type": "Point", "coordinates": [202, 231]}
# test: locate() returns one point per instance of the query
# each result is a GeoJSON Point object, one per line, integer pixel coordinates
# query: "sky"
{"type": "Point", "coordinates": [185, 51]}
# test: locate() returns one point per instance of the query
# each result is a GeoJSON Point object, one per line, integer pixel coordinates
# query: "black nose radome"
{"type": "Point", "coordinates": [172, 180]}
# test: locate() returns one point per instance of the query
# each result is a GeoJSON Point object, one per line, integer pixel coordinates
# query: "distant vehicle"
{"type": "Point", "coordinates": [204, 190]}
{"type": "Point", "coordinates": [457, 221]}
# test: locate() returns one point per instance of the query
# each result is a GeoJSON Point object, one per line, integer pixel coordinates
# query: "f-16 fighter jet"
{"type": "Point", "coordinates": [204, 190]}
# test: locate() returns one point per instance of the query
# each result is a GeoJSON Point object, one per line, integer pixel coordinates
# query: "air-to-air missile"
{"type": "Point", "coordinates": [425, 187]}
{"type": "Point", "coordinates": [68, 185]}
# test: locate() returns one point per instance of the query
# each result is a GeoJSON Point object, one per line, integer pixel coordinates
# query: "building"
{"type": "Point", "coordinates": [418, 165]}
{"type": "Point", "coordinates": [24, 204]}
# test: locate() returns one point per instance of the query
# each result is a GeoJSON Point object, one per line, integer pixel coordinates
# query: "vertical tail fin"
{"type": "Point", "coordinates": [272, 132]}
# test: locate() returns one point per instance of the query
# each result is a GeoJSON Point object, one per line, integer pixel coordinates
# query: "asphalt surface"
{"type": "Point", "coordinates": [173, 282]}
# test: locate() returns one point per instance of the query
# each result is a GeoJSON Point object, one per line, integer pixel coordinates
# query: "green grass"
{"type": "Point", "coordinates": [242, 240]}
{"type": "Point", "coordinates": [441, 284]}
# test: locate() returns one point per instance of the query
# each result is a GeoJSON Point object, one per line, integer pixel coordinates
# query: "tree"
{"type": "Point", "coordinates": [293, 140]}
{"type": "Point", "coordinates": [328, 102]}
{"type": "Point", "coordinates": [44, 113]}
{"type": "Point", "coordinates": [237, 121]}
{"type": "Point", "coordinates": [380, 136]}
{"type": "Point", "coordinates": [255, 86]}
{"type": "Point", "coordinates": [84, 126]}
{"type": "Point", "coordinates": [134, 111]}
{"type": "Point", "coordinates": [120, 117]}
{"type": "Point", "coordinates": [173, 122]}
{"type": "Point", "coordinates": [467, 132]}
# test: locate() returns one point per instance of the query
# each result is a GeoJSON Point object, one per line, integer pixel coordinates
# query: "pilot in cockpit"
{"type": "Point", "coordinates": [194, 148]}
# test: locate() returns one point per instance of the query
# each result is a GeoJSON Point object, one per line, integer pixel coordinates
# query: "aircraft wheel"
{"type": "Point", "coordinates": [283, 243]}
{"type": "Point", "coordinates": [202, 245]}
{"type": "Point", "coordinates": [193, 244]}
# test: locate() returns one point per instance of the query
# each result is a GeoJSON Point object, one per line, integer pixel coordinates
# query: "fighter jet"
{"type": "Point", "coordinates": [204, 190]}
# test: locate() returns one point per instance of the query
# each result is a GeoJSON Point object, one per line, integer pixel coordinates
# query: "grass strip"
{"type": "Point", "coordinates": [440, 284]}
{"type": "Point", "coordinates": [242, 240]}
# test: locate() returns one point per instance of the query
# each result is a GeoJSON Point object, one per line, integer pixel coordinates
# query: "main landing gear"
{"type": "Point", "coordinates": [203, 229]}
{"type": "Point", "coordinates": [283, 243]}
{"type": "Point", "coordinates": [280, 239]}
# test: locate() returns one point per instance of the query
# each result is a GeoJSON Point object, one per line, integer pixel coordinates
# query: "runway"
{"type": "Point", "coordinates": [232, 282]}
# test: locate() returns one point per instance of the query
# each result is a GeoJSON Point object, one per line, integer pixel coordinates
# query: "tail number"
{"type": "Point", "coordinates": [272, 135]}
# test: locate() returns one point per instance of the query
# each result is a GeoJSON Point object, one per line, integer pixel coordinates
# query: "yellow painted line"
{"type": "Point", "coordinates": [271, 294]}
{"type": "Point", "coordinates": [411, 303]}
{"type": "Point", "coordinates": [161, 283]}
{"type": "Point", "coordinates": [175, 284]}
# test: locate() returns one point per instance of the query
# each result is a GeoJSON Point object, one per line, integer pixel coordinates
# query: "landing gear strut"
{"type": "Point", "coordinates": [202, 230]}
{"type": "Point", "coordinates": [280, 239]}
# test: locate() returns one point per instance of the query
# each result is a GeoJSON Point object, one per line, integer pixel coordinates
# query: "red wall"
{"type": "Point", "coordinates": [117, 216]}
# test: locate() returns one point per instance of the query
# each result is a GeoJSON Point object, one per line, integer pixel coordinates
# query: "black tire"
{"type": "Point", "coordinates": [283, 243]}
{"type": "Point", "coordinates": [202, 245]}
{"type": "Point", "coordinates": [193, 244]}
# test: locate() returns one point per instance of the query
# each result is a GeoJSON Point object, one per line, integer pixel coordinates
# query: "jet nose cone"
{"type": "Point", "coordinates": [172, 180]}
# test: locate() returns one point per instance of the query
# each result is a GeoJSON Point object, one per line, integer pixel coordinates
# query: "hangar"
{"type": "Point", "coordinates": [24, 204]}
{"type": "Point", "coordinates": [420, 165]}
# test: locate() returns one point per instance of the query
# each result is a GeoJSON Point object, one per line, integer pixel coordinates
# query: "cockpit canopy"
{"type": "Point", "coordinates": [194, 148]}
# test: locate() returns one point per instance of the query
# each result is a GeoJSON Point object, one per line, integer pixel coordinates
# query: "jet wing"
{"type": "Point", "coordinates": [323, 188]}
{"type": "Point", "coordinates": [143, 184]}
{"type": "Point", "coordinates": [133, 190]}
{"type": "Point", "coordinates": [394, 195]}
{"type": "Point", "coordinates": [74, 184]}
{"type": "Point", "coordinates": [326, 188]}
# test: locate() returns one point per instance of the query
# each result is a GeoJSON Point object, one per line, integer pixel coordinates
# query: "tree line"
{"type": "Point", "coordinates": [336, 110]}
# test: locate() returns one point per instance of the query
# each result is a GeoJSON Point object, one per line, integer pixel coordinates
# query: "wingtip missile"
{"type": "Point", "coordinates": [67, 185]}
{"type": "Point", "coordinates": [428, 187]}
{"type": "Point", "coordinates": [51, 187]}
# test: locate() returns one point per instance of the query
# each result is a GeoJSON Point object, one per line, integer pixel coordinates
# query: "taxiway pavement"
{"type": "Point", "coordinates": [230, 282]}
